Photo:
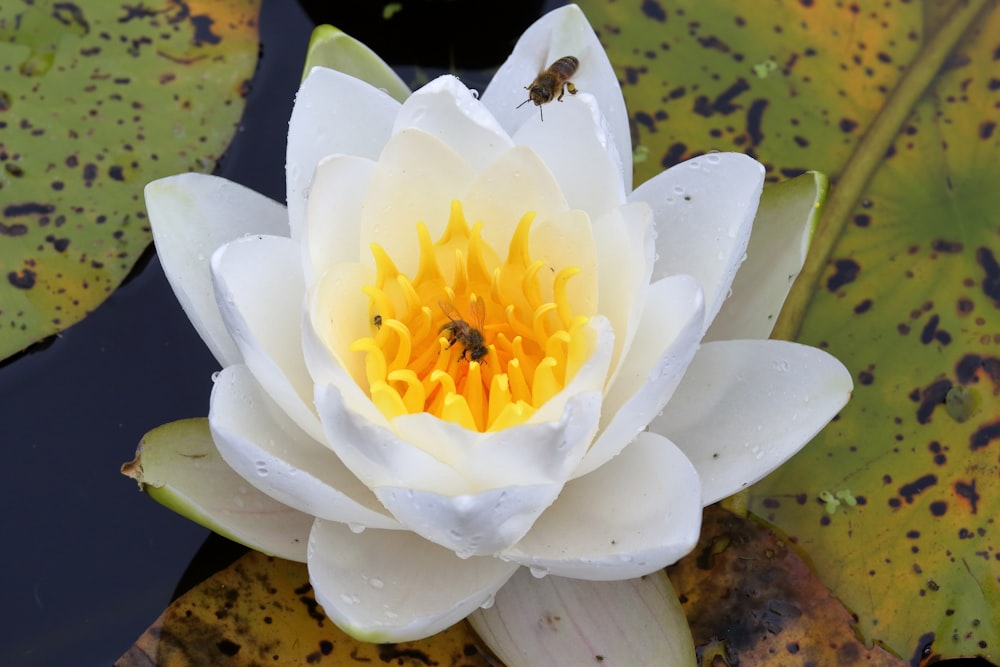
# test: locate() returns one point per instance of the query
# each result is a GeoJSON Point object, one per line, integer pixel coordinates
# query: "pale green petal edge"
{"type": "Point", "coordinates": [178, 465]}
{"type": "Point", "coordinates": [783, 231]}
{"type": "Point", "coordinates": [334, 49]}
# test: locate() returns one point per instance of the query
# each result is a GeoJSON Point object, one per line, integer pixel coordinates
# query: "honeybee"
{"type": "Point", "coordinates": [555, 78]}
{"type": "Point", "coordinates": [469, 335]}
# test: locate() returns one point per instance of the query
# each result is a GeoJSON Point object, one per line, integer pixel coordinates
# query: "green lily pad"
{"type": "Point", "coordinates": [98, 99]}
{"type": "Point", "coordinates": [894, 503]}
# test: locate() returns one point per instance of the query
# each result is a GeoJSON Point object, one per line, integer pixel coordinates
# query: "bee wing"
{"type": "Point", "coordinates": [478, 310]}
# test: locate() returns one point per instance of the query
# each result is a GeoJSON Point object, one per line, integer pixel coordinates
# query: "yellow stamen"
{"type": "Point", "coordinates": [484, 350]}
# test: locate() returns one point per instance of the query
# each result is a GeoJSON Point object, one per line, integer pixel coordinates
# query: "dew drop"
{"type": "Point", "coordinates": [376, 583]}
{"type": "Point", "coordinates": [356, 528]}
{"type": "Point", "coordinates": [390, 614]}
{"type": "Point", "coordinates": [261, 467]}
{"type": "Point", "coordinates": [538, 572]}
{"type": "Point", "coordinates": [712, 158]}
{"type": "Point", "coordinates": [215, 376]}
{"type": "Point", "coordinates": [350, 599]}
{"type": "Point", "coordinates": [678, 189]}
{"type": "Point", "coordinates": [489, 602]}
{"type": "Point", "coordinates": [781, 366]}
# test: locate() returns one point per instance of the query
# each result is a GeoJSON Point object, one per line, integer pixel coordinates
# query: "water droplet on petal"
{"type": "Point", "coordinates": [350, 598]}
{"type": "Point", "coordinates": [489, 602]}
{"type": "Point", "coordinates": [261, 467]}
{"type": "Point", "coordinates": [538, 572]}
{"type": "Point", "coordinates": [215, 376]}
{"type": "Point", "coordinates": [376, 583]}
{"type": "Point", "coordinates": [356, 528]}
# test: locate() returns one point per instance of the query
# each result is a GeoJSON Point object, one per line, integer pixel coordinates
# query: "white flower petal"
{"type": "Point", "coordinates": [478, 524]}
{"type": "Point", "coordinates": [704, 209]}
{"type": "Point", "coordinates": [636, 514]}
{"type": "Point", "coordinates": [582, 139]}
{"type": "Point", "coordinates": [391, 586]}
{"type": "Point", "coordinates": [516, 183]}
{"type": "Point", "coordinates": [338, 316]}
{"type": "Point", "coordinates": [625, 247]}
{"type": "Point", "coordinates": [415, 180]}
{"type": "Point", "coordinates": [665, 342]}
{"type": "Point", "coordinates": [376, 454]}
{"type": "Point", "coordinates": [333, 113]}
{"type": "Point", "coordinates": [566, 240]}
{"type": "Point", "coordinates": [446, 109]}
{"type": "Point", "coordinates": [180, 467]}
{"type": "Point", "coordinates": [333, 228]}
{"type": "Point", "coordinates": [526, 454]}
{"type": "Point", "coordinates": [271, 452]}
{"type": "Point", "coordinates": [192, 215]}
{"type": "Point", "coordinates": [260, 291]}
{"type": "Point", "coordinates": [785, 221]}
{"type": "Point", "coordinates": [560, 621]}
{"type": "Point", "coordinates": [746, 406]}
{"type": "Point", "coordinates": [561, 32]}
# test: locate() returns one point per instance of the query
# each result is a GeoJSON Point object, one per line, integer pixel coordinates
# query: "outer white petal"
{"type": "Point", "coordinates": [333, 228]}
{"type": "Point", "coordinates": [785, 221]}
{"type": "Point", "coordinates": [333, 113]}
{"type": "Point", "coordinates": [446, 109]}
{"type": "Point", "coordinates": [562, 32]}
{"type": "Point", "coordinates": [192, 215]}
{"type": "Point", "coordinates": [391, 586]}
{"type": "Point", "coordinates": [415, 180]}
{"type": "Point", "coordinates": [665, 343]}
{"type": "Point", "coordinates": [581, 154]}
{"type": "Point", "coordinates": [625, 248]}
{"type": "Point", "coordinates": [745, 407]}
{"type": "Point", "coordinates": [636, 514]}
{"type": "Point", "coordinates": [267, 449]}
{"type": "Point", "coordinates": [470, 525]}
{"type": "Point", "coordinates": [704, 209]}
{"type": "Point", "coordinates": [560, 621]}
{"type": "Point", "coordinates": [260, 291]}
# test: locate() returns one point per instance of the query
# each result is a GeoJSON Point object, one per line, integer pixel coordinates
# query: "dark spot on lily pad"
{"type": "Point", "coordinates": [654, 10]}
{"type": "Point", "coordinates": [991, 281]}
{"type": "Point", "coordinates": [847, 271]}
{"type": "Point", "coordinates": [968, 492]}
{"type": "Point", "coordinates": [23, 279]}
{"type": "Point", "coordinates": [916, 487]}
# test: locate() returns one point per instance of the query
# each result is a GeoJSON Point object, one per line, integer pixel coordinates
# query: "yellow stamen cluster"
{"type": "Point", "coordinates": [483, 349]}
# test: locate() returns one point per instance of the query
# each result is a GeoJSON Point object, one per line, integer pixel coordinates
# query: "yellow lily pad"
{"type": "Point", "coordinates": [262, 611]}
{"type": "Point", "coordinates": [98, 99]}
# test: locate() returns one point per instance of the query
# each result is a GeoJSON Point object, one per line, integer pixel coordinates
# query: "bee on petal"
{"type": "Point", "coordinates": [553, 80]}
{"type": "Point", "coordinates": [469, 335]}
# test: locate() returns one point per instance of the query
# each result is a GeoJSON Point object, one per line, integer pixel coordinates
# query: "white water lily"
{"type": "Point", "coordinates": [468, 346]}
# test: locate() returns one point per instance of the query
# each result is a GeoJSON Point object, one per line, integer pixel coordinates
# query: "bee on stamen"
{"type": "Point", "coordinates": [547, 83]}
{"type": "Point", "coordinates": [469, 335]}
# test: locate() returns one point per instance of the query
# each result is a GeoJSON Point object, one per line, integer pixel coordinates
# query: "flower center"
{"type": "Point", "coordinates": [484, 349]}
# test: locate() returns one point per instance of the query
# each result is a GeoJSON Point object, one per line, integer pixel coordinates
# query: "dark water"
{"type": "Point", "coordinates": [88, 562]}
